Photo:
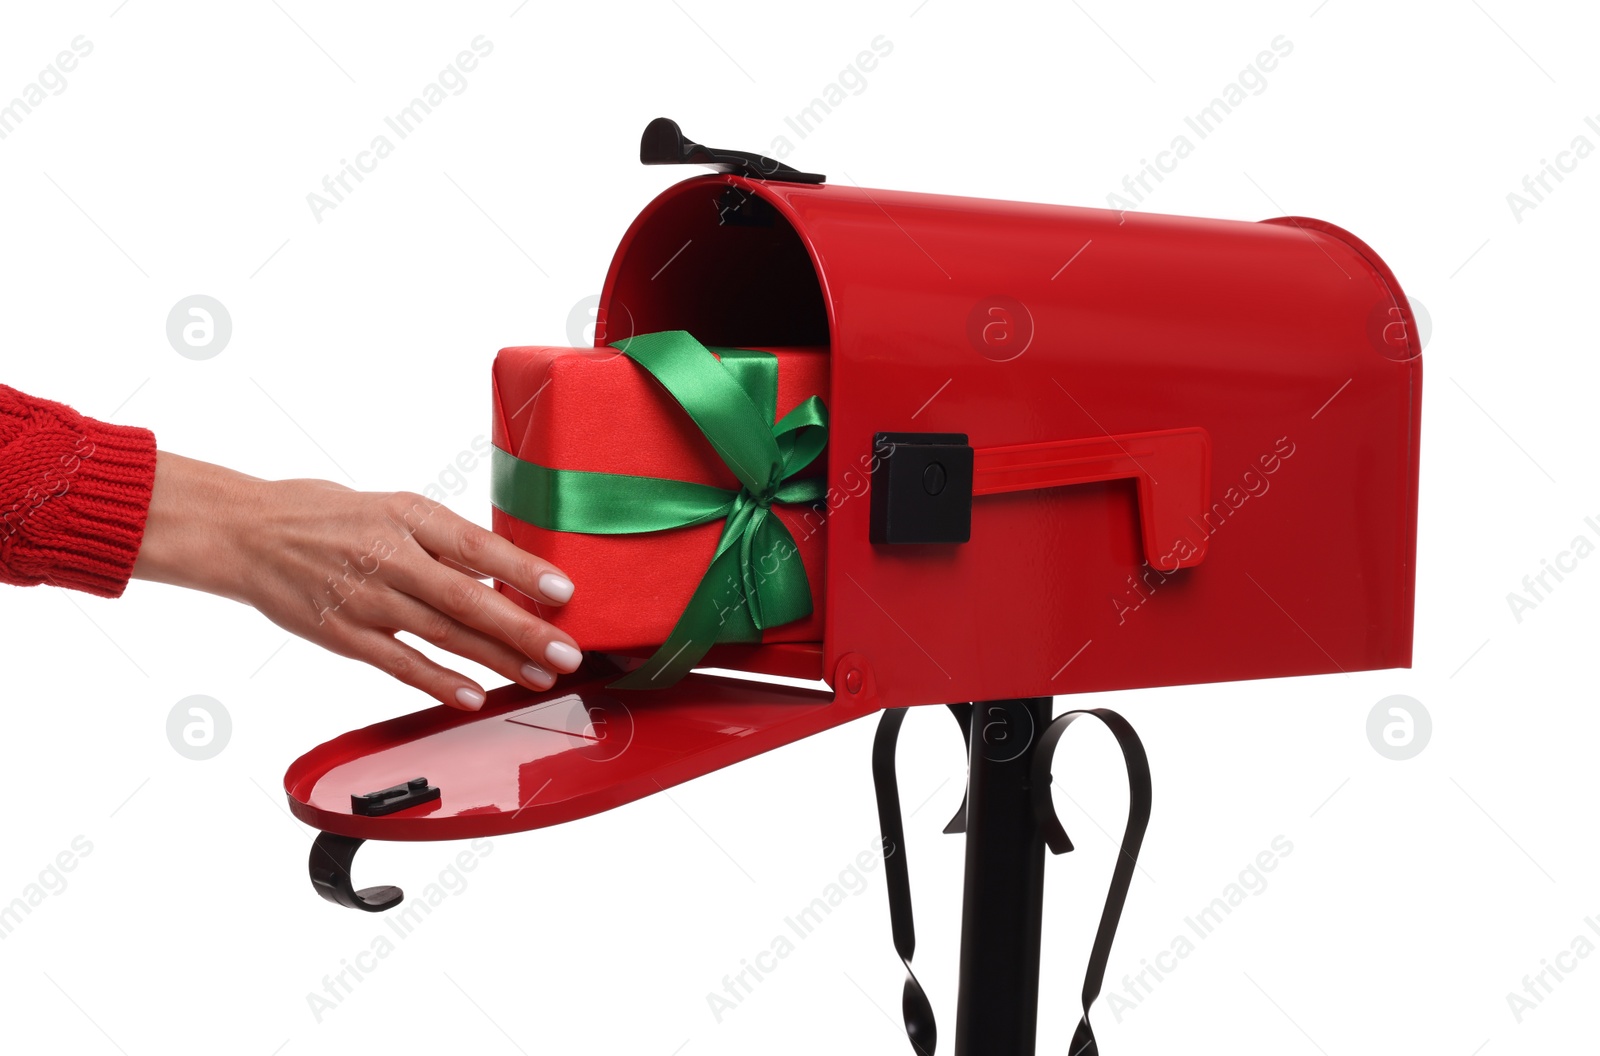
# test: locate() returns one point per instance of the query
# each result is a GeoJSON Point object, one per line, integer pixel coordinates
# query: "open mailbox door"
{"type": "Point", "coordinates": [527, 760]}
{"type": "Point", "coordinates": [1069, 450]}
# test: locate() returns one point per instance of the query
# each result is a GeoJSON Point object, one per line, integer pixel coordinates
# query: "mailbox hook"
{"type": "Point", "coordinates": [664, 143]}
{"type": "Point", "coordinates": [331, 857]}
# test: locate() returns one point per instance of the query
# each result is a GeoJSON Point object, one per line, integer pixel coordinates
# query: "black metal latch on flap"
{"type": "Point", "coordinates": [389, 800]}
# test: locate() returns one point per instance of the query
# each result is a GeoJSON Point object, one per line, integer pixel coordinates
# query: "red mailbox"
{"type": "Point", "coordinates": [1195, 441]}
{"type": "Point", "coordinates": [1069, 450]}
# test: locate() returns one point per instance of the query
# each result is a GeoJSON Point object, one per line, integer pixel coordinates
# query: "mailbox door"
{"type": "Point", "coordinates": [528, 760]}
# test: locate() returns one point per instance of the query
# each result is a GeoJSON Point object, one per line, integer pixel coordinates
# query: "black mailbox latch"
{"type": "Point", "coordinates": [399, 797]}
{"type": "Point", "coordinates": [664, 143]}
{"type": "Point", "coordinates": [921, 488]}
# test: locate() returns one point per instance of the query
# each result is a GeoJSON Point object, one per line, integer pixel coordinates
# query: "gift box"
{"type": "Point", "coordinates": [679, 486]}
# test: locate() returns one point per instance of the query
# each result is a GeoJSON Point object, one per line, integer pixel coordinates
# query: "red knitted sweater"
{"type": "Point", "coordinates": [73, 496]}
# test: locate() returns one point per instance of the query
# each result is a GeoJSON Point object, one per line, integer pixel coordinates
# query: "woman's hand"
{"type": "Point", "coordinates": [348, 569]}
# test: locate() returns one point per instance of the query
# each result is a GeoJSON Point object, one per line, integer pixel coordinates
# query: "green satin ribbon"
{"type": "Point", "coordinates": [733, 401]}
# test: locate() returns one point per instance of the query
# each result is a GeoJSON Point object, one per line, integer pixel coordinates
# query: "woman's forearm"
{"type": "Point", "coordinates": [194, 532]}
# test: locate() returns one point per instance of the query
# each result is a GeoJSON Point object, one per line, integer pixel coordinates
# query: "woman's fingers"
{"type": "Point", "coordinates": [412, 616]}
{"type": "Point", "coordinates": [481, 608]}
{"type": "Point", "coordinates": [454, 539]}
{"type": "Point", "coordinates": [394, 657]}
{"type": "Point", "coordinates": [418, 570]}
{"type": "Point", "coordinates": [463, 569]}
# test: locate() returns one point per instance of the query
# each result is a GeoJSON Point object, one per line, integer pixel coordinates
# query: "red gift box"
{"type": "Point", "coordinates": [594, 409]}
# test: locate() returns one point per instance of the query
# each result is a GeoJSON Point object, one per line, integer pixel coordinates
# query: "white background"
{"type": "Point", "coordinates": [178, 160]}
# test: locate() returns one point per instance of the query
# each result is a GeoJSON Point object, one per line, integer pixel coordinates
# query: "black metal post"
{"type": "Point", "coordinates": [997, 1008]}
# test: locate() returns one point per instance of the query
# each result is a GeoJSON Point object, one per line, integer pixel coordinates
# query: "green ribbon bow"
{"type": "Point", "coordinates": [733, 401]}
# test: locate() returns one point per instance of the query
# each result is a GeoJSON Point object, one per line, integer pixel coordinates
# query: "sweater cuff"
{"type": "Point", "coordinates": [112, 489]}
{"type": "Point", "coordinates": [87, 535]}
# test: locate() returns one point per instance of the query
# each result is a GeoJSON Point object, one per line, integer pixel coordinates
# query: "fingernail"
{"type": "Point", "coordinates": [532, 672]}
{"type": "Point", "coordinates": [563, 656]}
{"type": "Point", "coordinates": [469, 698]}
{"type": "Point", "coordinates": [557, 588]}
